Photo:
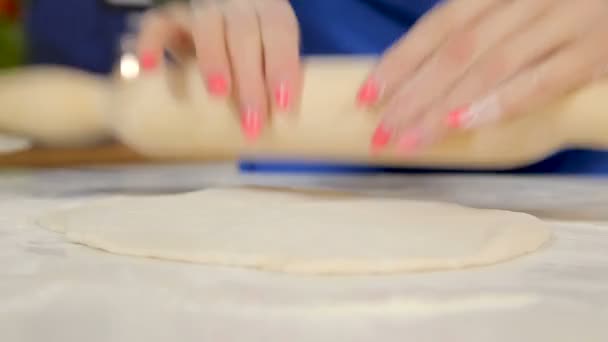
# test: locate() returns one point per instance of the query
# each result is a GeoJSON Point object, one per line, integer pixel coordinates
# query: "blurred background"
{"type": "Point", "coordinates": [12, 47]}
{"type": "Point", "coordinates": [84, 34]}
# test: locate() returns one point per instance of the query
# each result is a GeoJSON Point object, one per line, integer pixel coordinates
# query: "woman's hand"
{"type": "Point", "coordinates": [249, 49]}
{"type": "Point", "coordinates": [472, 62]}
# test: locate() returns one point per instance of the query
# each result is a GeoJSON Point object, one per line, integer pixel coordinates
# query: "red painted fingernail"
{"type": "Point", "coordinates": [409, 141]}
{"type": "Point", "coordinates": [455, 118]}
{"type": "Point", "coordinates": [282, 96]}
{"type": "Point", "coordinates": [368, 93]}
{"type": "Point", "coordinates": [381, 137]}
{"type": "Point", "coordinates": [148, 60]}
{"type": "Point", "coordinates": [251, 120]}
{"type": "Point", "coordinates": [217, 85]}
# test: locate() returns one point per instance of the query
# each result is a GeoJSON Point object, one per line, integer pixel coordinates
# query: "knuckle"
{"type": "Point", "coordinates": [493, 70]}
{"type": "Point", "coordinates": [244, 31]}
{"type": "Point", "coordinates": [459, 49]}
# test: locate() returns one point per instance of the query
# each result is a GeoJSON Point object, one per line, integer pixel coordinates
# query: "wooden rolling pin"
{"type": "Point", "coordinates": [167, 114]}
{"type": "Point", "coordinates": [56, 107]}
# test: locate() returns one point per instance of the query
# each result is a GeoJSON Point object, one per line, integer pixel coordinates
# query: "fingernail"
{"type": "Point", "coordinates": [486, 111]}
{"type": "Point", "coordinates": [409, 141]}
{"type": "Point", "coordinates": [251, 120]}
{"type": "Point", "coordinates": [282, 96]}
{"type": "Point", "coordinates": [455, 118]}
{"type": "Point", "coordinates": [217, 85]}
{"type": "Point", "coordinates": [368, 93]}
{"type": "Point", "coordinates": [381, 137]}
{"type": "Point", "coordinates": [148, 60]}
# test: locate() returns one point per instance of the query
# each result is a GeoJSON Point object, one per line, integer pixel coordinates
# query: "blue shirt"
{"type": "Point", "coordinates": [84, 33]}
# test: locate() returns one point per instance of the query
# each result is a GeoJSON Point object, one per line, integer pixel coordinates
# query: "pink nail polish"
{"type": "Point", "coordinates": [409, 141]}
{"type": "Point", "coordinates": [381, 137]}
{"type": "Point", "coordinates": [368, 93]}
{"type": "Point", "coordinates": [148, 60]}
{"type": "Point", "coordinates": [456, 117]}
{"type": "Point", "coordinates": [251, 121]}
{"type": "Point", "coordinates": [217, 84]}
{"type": "Point", "coordinates": [282, 96]}
{"type": "Point", "coordinates": [478, 113]}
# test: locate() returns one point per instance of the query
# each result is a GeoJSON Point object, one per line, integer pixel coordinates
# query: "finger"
{"type": "Point", "coordinates": [280, 36]}
{"type": "Point", "coordinates": [423, 132]}
{"type": "Point", "coordinates": [155, 33]}
{"type": "Point", "coordinates": [551, 78]}
{"type": "Point", "coordinates": [245, 51]}
{"type": "Point", "coordinates": [561, 73]}
{"type": "Point", "coordinates": [409, 132]}
{"type": "Point", "coordinates": [555, 30]}
{"type": "Point", "coordinates": [401, 60]}
{"type": "Point", "coordinates": [428, 85]}
{"type": "Point", "coordinates": [447, 67]}
{"type": "Point", "coordinates": [180, 45]}
{"type": "Point", "coordinates": [210, 43]}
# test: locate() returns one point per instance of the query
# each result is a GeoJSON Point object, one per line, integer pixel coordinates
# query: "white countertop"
{"type": "Point", "coordinates": [54, 291]}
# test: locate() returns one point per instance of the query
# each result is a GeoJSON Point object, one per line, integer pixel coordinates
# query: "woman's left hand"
{"type": "Point", "coordinates": [471, 62]}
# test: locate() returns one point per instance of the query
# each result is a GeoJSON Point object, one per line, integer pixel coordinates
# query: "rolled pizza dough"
{"type": "Point", "coordinates": [301, 232]}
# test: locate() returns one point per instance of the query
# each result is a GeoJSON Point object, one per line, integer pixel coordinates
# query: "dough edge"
{"type": "Point", "coordinates": [495, 252]}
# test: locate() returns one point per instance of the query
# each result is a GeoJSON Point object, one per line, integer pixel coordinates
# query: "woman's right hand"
{"type": "Point", "coordinates": [248, 49]}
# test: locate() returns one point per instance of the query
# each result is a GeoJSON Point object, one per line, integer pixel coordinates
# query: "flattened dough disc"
{"type": "Point", "coordinates": [303, 233]}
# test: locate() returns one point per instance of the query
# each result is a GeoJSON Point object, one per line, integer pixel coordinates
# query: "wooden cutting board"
{"type": "Point", "coordinates": [108, 154]}
{"type": "Point", "coordinates": [62, 157]}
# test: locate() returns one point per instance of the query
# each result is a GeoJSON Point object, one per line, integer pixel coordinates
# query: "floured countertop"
{"type": "Point", "coordinates": [54, 291]}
